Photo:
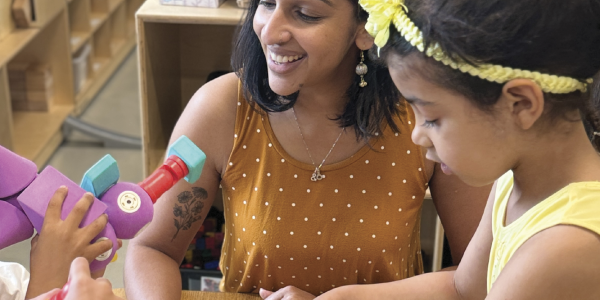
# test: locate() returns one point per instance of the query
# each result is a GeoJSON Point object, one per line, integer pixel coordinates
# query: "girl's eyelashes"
{"type": "Point", "coordinates": [429, 124]}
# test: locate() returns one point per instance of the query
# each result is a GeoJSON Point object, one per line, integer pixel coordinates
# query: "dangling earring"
{"type": "Point", "coordinates": [361, 70]}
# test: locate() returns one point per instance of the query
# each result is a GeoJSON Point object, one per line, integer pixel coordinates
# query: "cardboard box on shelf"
{"type": "Point", "coordinates": [31, 86]}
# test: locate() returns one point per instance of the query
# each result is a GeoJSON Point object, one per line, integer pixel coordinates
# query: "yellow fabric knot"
{"type": "Point", "coordinates": [381, 14]}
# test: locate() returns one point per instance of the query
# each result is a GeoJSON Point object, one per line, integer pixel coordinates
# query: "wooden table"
{"type": "Point", "coordinates": [195, 295]}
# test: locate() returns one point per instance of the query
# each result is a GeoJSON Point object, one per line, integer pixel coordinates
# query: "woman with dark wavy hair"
{"type": "Point", "coordinates": [311, 143]}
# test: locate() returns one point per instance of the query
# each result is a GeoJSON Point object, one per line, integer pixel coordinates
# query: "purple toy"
{"type": "Point", "coordinates": [16, 173]}
{"type": "Point", "coordinates": [35, 198]}
{"type": "Point", "coordinates": [34, 201]}
{"type": "Point", "coordinates": [129, 207]}
{"type": "Point", "coordinates": [105, 258]}
{"type": "Point", "coordinates": [15, 225]}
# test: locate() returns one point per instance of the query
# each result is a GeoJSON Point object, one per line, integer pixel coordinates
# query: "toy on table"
{"type": "Point", "coordinates": [24, 195]}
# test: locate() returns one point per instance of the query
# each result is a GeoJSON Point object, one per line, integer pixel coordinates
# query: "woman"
{"type": "Point", "coordinates": [323, 186]}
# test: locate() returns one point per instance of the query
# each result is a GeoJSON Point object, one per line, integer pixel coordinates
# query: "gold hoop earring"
{"type": "Point", "coordinates": [361, 70]}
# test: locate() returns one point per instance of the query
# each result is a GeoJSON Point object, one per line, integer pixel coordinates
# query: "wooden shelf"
{"type": "Point", "coordinates": [106, 66]}
{"type": "Point", "coordinates": [38, 134]}
{"type": "Point", "coordinates": [116, 45]}
{"type": "Point", "coordinates": [227, 14]}
{"type": "Point", "coordinates": [113, 4]}
{"type": "Point", "coordinates": [64, 28]}
{"type": "Point", "coordinates": [97, 19]}
{"type": "Point", "coordinates": [14, 42]}
{"type": "Point", "coordinates": [78, 39]}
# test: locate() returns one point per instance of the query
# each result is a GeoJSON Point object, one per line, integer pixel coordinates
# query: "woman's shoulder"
{"type": "Point", "coordinates": [209, 117]}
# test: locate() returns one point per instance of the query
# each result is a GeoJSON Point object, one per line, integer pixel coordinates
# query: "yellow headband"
{"type": "Point", "coordinates": [383, 12]}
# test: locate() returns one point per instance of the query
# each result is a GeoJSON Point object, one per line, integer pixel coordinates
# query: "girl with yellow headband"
{"type": "Point", "coordinates": [503, 92]}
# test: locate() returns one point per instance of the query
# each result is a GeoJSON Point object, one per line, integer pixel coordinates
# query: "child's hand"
{"type": "Point", "coordinates": [83, 286]}
{"type": "Point", "coordinates": [60, 242]}
{"type": "Point", "coordinates": [47, 295]}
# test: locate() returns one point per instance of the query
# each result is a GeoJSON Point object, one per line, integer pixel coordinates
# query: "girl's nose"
{"type": "Point", "coordinates": [420, 137]}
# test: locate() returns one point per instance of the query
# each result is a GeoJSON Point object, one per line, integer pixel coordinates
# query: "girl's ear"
{"type": "Point", "coordinates": [525, 100]}
{"type": "Point", "coordinates": [363, 40]}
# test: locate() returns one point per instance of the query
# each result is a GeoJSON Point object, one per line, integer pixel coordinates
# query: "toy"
{"type": "Point", "coordinates": [24, 195]}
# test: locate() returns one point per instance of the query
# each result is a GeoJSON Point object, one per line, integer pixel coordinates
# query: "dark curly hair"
{"type": "Point", "coordinates": [367, 108]}
{"type": "Point", "coordinates": [550, 36]}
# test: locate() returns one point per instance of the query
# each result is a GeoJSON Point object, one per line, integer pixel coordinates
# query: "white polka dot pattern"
{"type": "Point", "coordinates": [319, 235]}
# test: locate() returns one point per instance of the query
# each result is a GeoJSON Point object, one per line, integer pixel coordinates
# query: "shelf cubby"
{"type": "Point", "coordinates": [59, 35]}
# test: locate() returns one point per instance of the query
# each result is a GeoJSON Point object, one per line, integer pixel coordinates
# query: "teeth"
{"type": "Point", "coordinates": [283, 59]}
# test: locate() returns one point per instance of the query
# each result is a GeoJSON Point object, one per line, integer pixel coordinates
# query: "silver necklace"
{"type": "Point", "coordinates": [316, 176]}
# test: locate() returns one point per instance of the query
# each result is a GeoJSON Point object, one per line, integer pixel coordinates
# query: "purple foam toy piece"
{"type": "Point", "coordinates": [13, 200]}
{"type": "Point", "coordinates": [129, 208]}
{"type": "Point", "coordinates": [104, 259]}
{"type": "Point", "coordinates": [34, 199]}
{"type": "Point", "coordinates": [15, 225]}
{"type": "Point", "coordinates": [16, 173]}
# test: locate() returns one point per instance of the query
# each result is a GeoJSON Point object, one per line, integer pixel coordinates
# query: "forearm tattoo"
{"type": "Point", "coordinates": [189, 209]}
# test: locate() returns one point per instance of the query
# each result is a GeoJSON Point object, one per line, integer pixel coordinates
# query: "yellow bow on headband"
{"type": "Point", "coordinates": [381, 14]}
{"type": "Point", "coordinates": [384, 12]}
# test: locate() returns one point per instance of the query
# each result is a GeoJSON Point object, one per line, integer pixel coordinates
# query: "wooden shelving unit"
{"type": "Point", "coordinates": [66, 27]}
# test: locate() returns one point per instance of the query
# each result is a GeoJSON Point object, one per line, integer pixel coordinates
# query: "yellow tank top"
{"type": "Point", "coordinates": [358, 225]}
{"type": "Point", "coordinates": [576, 204]}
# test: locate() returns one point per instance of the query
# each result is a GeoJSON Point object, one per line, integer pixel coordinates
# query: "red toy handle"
{"type": "Point", "coordinates": [165, 177]}
{"type": "Point", "coordinates": [63, 293]}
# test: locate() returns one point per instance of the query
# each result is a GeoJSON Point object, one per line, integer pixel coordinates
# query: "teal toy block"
{"type": "Point", "coordinates": [193, 157]}
{"type": "Point", "coordinates": [101, 176]}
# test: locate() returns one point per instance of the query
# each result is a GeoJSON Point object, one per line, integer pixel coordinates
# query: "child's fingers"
{"type": "Point", "coordinates": [80, 268]}
{"type": "Point", "coordinates": [47, 295]}
{"type": "Point", "coordinates": [79, 210]}
{"type": "Point", "coordinates": [105, 283]}
{"type": "Point", "coordinates": [94, 228]}
{"type": "Point", "coordinates": [55, 205]}
{"type": "Point", "coordinates": [94, 250]}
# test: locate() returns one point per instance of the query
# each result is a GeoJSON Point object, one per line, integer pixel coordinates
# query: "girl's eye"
{"type": "Point", "coordinates": [266, 4]}
{"type": "Point", "coordinates": [307, 18]}
{"type": "Point", "coordinates": [429, 124]}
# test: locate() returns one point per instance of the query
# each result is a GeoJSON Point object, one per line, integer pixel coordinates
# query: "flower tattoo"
{"type": "Point", "coordinates": [189, 208]}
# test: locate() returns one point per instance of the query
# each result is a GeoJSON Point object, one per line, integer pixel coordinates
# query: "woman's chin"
{"type": "Point", "coordinates": [283, 87]}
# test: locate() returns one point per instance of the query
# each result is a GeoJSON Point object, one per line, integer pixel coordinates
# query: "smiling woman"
{"type": "Point", "coordinates": [323, 186]}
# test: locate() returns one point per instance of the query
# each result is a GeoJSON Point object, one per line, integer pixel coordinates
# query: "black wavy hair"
{"type": "Point", "coordinates": [367, 107]}
{"type": "Point", "coordinates": [550, 36]}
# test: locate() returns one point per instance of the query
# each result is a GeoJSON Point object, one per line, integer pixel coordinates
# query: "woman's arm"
{"type": "Point", "coordinates": [460, 208]}
{"type": "Point", "coordinates": [153, 257]}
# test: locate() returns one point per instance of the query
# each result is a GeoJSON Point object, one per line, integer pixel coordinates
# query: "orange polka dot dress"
{"type": "Point", "coordinates": [359, 225]}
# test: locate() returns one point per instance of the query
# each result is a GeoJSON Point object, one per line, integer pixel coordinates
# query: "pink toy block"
{"type": "Point", "coordinates": [34, 199]}
{"type": "Point", "coordinates": [129, 208]}
{"type": "Point", "coordinates": [104, 259]}
{"type": "Point", "coordinates": [16, 173]}
{"type": "Point", "coordinates": [15, 225]}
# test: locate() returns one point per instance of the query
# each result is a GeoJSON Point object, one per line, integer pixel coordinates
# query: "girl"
{"type": "Point", "coordinates": [323, 186]}
{"type": "Point", "coordinates": [504, 89]}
